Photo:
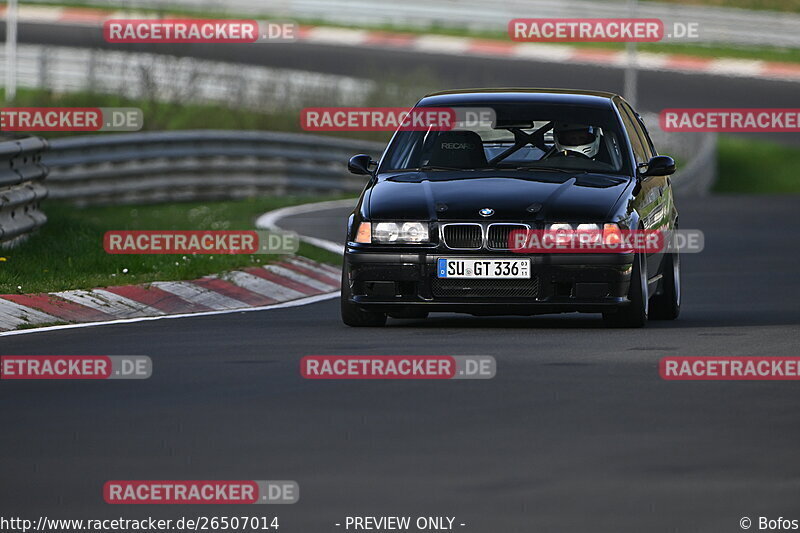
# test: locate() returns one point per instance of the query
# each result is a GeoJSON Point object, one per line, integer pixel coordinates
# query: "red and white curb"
{"type": "Point", "coordinates": [296, 279]}
{"type": "Point", "coordinates": [292, 282]}
{"type": "Point", "coordinates": [465, 46]}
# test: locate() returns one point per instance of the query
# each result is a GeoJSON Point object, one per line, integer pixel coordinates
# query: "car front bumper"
{"type": "Point", "coordinates": [386, 280]}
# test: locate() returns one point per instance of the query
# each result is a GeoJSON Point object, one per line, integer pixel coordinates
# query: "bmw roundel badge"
{"type": "Point", "coordinates": [486, 212]}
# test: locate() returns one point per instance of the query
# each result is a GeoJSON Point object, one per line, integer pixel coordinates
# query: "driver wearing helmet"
{"type": "Point", "coordinates": [573, 140]}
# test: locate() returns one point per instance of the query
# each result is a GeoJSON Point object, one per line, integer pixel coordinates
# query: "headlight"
{"type": "Point", "coordinates": [393, 232]}
{"type": "Point", "coordinates": [588, 227]}
{"type": "Point", "coordinates": [559, 226]}
{"type": "Point", "coordinates": [561, 231]}
{"type": "Point", "coordinates": [610, 232]}
{"type": "Point", "coordinates": [565, 226]}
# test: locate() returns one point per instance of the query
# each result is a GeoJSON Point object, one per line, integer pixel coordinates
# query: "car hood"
{"type": "Point", "coordinates": [545, 196]}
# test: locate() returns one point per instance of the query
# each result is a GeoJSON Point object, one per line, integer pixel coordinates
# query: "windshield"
{"type": "Point", "coordinates": [555, 137]}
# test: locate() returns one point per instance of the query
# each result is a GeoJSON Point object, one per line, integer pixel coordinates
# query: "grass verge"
{"type": "Point", "coordinates": [167, 116]}
{"type": "Point", "coordinates": [752, 166]}
{"type": "Point", "coordinates": [67, 253]}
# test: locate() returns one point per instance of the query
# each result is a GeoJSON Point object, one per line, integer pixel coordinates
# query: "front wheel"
{"type": "Point", "coordinates": [633, 315]}
{"type": "Point", "coordinates": [667, 305]}
{"type": "Point", "coordinates": [353, 315]}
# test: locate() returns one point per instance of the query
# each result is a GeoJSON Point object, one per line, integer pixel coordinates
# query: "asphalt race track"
{"type": "Point", "coordinates": [657, 90]}
{"type": "Point", "coordinates": [577, 432]}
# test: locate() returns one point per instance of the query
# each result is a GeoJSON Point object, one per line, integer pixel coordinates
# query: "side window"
{"type": "Point", "coordinates": [644, 137]}
{"type": "Point", "coordinates": [631, 123]}
{"type": "Point", "coordinates": [648, 141]}
{"type": "Point", "coordinates": [638, 123]}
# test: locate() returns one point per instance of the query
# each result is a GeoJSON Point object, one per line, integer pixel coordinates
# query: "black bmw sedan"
{"type": "Point", "coordinates": [432, 229]}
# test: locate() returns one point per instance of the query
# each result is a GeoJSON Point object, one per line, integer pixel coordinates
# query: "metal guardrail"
{"type": "Point", "coordinates": [210, 164]}
{"type": "Point", "coordinates": [716, 24]}
{"type": "Point", "coordinates": [699, 174]}
{"type": "Point", "coordinates": [199, 165]}
{"type": "Point", "coordinates": [22, 188]}
{"type": "Point", "coordinates": [697, 151]}
{"type": "Point", "coordinates": [150, 76]}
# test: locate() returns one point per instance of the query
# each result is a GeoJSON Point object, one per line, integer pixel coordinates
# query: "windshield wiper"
{"type": "Point", "coordinates": [439, 167]}
{"type": "Point", "coordinates": [556, 169]}
{"type": "Point", "coordinates": [545, 169]}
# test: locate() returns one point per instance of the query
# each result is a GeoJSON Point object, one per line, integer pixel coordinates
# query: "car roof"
{"type": "Point", "coordinates": [519, 96]}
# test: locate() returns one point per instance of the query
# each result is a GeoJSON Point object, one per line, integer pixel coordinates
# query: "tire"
{"type": "Point", "coordinates": [667, 305]}
{"type": "Point", "coordinates": [353, 315]}
{"type": "Point", "coordinates": [633, 315]}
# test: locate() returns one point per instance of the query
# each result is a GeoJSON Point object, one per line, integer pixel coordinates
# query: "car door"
{"type": "Point", "coordinates": [654, 196]}
{"type": "Point", "coordinates": [667, 200]}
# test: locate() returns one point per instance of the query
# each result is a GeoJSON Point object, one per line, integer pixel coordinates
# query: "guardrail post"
{"type": "Point", "coordinates": [22, 189]}
{"type": "Point", "coordinates": [42, 67]}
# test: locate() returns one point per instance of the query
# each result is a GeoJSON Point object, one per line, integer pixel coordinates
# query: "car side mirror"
{"type": "Point", "coordinates": [660, 165]}
{"type": "Point", "coordinates": [359, 164]}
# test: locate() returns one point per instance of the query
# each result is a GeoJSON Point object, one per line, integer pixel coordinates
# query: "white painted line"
{"type": "Point", "coordinates": [322, 34]}
{"type": "Point", "coordinates": [649, 61]}
{"type": "Point", "coordinates": [736, 67]}
{"type": "Point", "coordinates": [330, 246]}
{"type": "Point", "coordinates": [543, 52]}
{"type": "Point", "coordinates": [110, 303]}
{"type": "Point", "coordinates": [263, 286]}
{"type": "Point", "coordinates": [294, 303]}
{"type": "Point", "coordinates": [441, 44]}
{"type": "Point", "coordinates": [136, 15]}
{"type": "Point", "coordinates": [200, 295]}
{"type": "Point", "coordinates": [300, 278]}
{"type": "Point", "coordinates": [28, 13]}
{"type": "Point", "coordinates": [13, 315]}
{"type": "Point", "coordinates": [270, 220]}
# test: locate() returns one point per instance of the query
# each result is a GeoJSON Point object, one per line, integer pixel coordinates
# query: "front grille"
{"type": "Point", "coordinates": [498, 234]}
{"type": "Point", "coordinates": [485, 288]}
{"type": "Point", "coordinates": [463, 236]}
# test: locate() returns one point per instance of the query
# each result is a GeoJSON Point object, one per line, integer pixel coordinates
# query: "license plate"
{"type": "Point", "coordinates": [484, 268]}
